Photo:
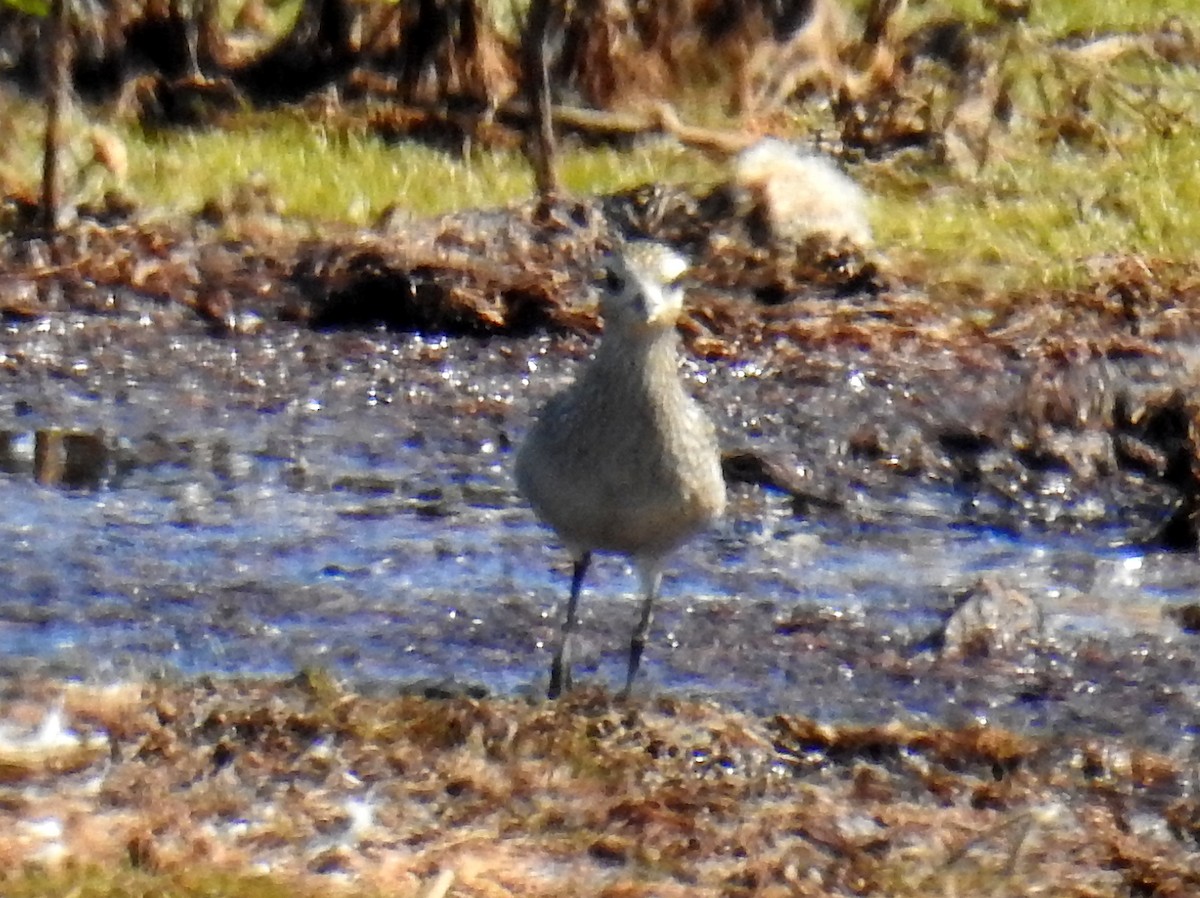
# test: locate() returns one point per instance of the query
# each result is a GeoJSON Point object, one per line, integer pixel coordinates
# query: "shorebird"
{"type": "Point", "coordinates": [624, 460]}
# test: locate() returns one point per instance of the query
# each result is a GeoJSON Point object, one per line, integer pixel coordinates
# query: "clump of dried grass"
{"type": "Point", "coordinates": [755, 54]}
{"type": "Point", "coordinates": [305, 782]}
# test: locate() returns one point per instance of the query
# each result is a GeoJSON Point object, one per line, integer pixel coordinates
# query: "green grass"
{"type": "Point", "coordinates": [315, 174]}
{"type": "Point", "coordinates": [1061, 16]}
{"type": "Point", "coordinates": [1031, 222]}
{"type": "Point", "coordinates": [1067, 182]}
{"type": "Point", "coordinates": [319, 175]}
{"type": "Point", "coordinates": [352, 178]}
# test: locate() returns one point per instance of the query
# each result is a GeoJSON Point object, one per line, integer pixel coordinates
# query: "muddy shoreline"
{"type": "Point", "coordinates": [898, 379]}
{"type": "Point", "coordinates": [850, 403]}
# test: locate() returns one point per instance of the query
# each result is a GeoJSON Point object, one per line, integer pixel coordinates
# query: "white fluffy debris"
{"type": "Point", "coordinates": [50, 742]}
{"type": "Point", "coordinates": [803, 195]}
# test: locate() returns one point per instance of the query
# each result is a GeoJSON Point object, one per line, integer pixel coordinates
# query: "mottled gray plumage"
{"type": "Point", "coordinates": [624, 460]}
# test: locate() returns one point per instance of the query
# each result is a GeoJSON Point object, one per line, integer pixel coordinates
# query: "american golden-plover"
{"type": "Point", "coordinates": [624, 460]}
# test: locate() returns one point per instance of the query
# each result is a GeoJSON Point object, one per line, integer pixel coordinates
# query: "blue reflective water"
{"type": "Point", "coordinates": [257, 574]}
{"type": "Point", "coordinates": [364, 520]}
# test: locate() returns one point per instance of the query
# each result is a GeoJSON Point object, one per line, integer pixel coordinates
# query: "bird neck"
{"type": "Point", "coordinates": [647, 360]}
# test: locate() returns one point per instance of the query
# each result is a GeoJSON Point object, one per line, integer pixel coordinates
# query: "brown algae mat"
{"type": "Point", "coordinates": [303, 783]}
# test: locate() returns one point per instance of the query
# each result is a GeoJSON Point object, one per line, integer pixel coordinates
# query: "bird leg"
{"type": "Point", "coordinates": [651, 577]}
{"type": "Point", "coordinates": [560, 670]}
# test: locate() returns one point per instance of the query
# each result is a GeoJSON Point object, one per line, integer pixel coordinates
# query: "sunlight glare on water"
{"type": "Point", "coordinates": [370, 527]}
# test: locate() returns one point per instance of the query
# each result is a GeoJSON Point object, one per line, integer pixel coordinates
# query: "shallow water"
{"type": "Point", "coordinates": [264, 503]}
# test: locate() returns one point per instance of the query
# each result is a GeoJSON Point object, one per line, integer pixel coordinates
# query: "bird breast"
{"type": "Point", "coordinates": [624, 460]}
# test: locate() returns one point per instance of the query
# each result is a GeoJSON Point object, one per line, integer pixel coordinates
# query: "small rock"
{"type": "Point", "coordinates": [990, 618]}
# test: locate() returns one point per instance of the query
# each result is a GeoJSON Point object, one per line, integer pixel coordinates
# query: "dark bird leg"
{"type": "Point", "coordinates": [560, 670]}
{"type": "Point", "coordinates": [651, 576]}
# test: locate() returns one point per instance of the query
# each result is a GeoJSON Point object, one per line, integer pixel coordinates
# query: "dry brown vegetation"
{"type": "Point", "coordinates": [433, 68]}
{"type": "Point", "coordinates": [586, 796]}
{"type": "Point", "coordinates": [172, 61]}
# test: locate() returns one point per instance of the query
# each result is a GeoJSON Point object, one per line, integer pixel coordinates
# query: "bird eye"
{"type": "Point", "coordinates": [614, 282]}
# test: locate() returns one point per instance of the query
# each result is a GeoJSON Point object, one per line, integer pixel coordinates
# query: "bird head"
{"type": "Point", "coordinates": [639, 289]}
